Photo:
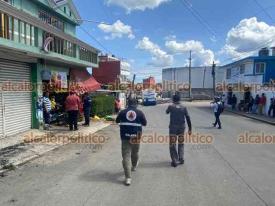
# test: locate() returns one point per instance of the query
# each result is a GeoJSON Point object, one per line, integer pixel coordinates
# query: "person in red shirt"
{"type": "Point", "coordinates": [72, 105]}
{"type": "Point", "coordinates": [262, 104]}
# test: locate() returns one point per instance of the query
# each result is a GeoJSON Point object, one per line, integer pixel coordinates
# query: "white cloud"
{"type": "Point", "coordinates": [131, 5]}
{"type": "Point", "coordinates": [160, 58]}
{"type": "Point", "coordinates": [117, 30]}
{"type": "Point", "coordinates": [247, 37]}
{"type": "Point", "coordinates": [201, 56]}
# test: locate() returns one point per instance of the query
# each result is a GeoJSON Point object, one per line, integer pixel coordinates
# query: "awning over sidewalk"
{"type": "Point", "coordinates": [81, 81]}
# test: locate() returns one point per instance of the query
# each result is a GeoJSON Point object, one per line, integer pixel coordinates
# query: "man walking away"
{"type": "Point", "coordinates": [47, 110]}
{"type": "Point", "coordinates": [72, 105]}
{"type": "Point", "coordinates": [87, 105]}
{"type": "Point", "coordinates": [218, 109]}
{"type": "Point", "coordinates": [178, 115]}
{"type": "Point", "coordinates": [131, 121]}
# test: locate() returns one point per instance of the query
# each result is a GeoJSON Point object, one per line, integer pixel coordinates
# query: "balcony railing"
{"type": "Point", "coordinates": [19, 31]}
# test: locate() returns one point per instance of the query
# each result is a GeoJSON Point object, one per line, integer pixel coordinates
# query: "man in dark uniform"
{"type": "Point", "coordinates": [178, 115]}
{"type": "Point", "coordinates": [87, 104]}
{"type": "Point", "coordinates": [131, 121]}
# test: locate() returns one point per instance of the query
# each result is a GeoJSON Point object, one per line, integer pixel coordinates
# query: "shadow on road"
{"type": "Point", "coordinates": [149, 165]}
{"type": "Point", "coordinates": [103, 176]}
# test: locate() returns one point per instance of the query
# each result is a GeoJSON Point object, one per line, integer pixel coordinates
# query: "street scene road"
{"type": "Point", "coordinates": [224, 172]}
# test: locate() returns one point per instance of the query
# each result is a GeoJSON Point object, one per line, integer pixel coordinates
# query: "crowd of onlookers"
{"type": "Point", "coordinates": [253, 105]}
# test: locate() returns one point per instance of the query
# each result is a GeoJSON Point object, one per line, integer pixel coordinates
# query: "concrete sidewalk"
{"type": "Point", "coordinates": [24, 147]}
{"type": "Point", "coordinates": [257, 117]}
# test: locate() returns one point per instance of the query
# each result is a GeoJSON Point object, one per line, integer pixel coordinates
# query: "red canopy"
{"type": "Point", "coordinates": [82, 81]}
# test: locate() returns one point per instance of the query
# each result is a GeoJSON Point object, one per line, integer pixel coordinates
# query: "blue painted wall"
{"type": "Point", "coordinates": [269, 70]}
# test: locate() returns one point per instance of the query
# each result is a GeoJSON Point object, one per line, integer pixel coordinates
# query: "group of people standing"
{"type": "Point", "coordinates": [73, 106]}
{"type": "Point", "coordinates": [255, 105]}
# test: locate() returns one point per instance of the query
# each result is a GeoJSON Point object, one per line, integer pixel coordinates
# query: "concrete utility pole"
{"type": "Point", "coordinates": [190, 75]}
{"type": "Point", "coordinates": [204, 71]}
{"type": "Point", "coordinates": [214, 77]}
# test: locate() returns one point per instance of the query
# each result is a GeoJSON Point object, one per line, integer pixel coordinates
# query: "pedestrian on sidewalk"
{"type": "Point", "coordinates": [47, 110]}
{"type": "Point", "coordinates": [72, 105]}
{"type": "Point", "coordinates": [256, 104]}
{"type": "Point", "coordinates": [87, 105]}
{"type": "Point", "coordinates": [130, 121]}
{"type": "Point", "coordinates": [262, 104]}
{"type": "Point", "coordinates": [218, 109]}
{"type": "Point", "coordinates": [271, 110]}
{"type": "Point", "coordinates": [250, 105]}
{"type": "Point", "coordinates": [178, 115]}
{"type": "Point", "coordinates": [234, 101]}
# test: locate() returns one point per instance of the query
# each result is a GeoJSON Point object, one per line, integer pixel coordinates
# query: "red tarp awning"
{"type": "Point", "coordinates": [82, 81]}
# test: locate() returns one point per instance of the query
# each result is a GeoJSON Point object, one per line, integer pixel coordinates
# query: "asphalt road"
{"type": "Point", "coordinates": [222, 173]}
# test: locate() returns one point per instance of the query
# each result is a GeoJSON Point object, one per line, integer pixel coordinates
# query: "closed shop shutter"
{"type": "Point", "coordinates": [1, 117]}
{"type": "Point", "coordinates": [16, 103]}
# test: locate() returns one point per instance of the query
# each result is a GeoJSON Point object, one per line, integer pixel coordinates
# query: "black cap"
{"type": "Point", "coordinates": [176, 98]}
{"type": "Point", "coordinates": [132, 102]}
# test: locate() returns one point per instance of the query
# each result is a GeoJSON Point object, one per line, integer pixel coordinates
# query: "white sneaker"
{"type": "Point", "coordinates": [128, 181]}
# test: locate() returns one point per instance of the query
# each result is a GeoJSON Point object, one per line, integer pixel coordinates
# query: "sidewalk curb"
{"type": "Point", "coordinates": [40, 154]}
{"type": "Point", "coordinates": [250, 117]}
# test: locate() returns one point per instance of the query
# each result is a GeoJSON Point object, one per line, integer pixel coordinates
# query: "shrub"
{"type": "Point", "coordinates": [103, 105]}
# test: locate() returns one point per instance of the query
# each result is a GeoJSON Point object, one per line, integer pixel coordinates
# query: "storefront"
{"type": "Point", "coordinates": [58, 81]}
{"type": "Point", "coordinates": [15, 97]}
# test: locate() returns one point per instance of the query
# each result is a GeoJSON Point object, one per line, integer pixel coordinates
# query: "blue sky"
{"type": "Point", "coordinates": [153, 34]}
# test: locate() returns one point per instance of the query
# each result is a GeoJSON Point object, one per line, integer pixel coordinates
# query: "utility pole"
{"type": "Point", "coordinates": [190, 75]}
{"type": "Point", "coordinates": [204, 71]}
{"type": "Point", "coordinates": [214, 78]}
{"type": "Point", "coordinates": [133, 87]}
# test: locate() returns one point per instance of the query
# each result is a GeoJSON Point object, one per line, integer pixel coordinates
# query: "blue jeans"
{"type": "Point", "coordinates": [218, 121]}
{"type": "Point", "coordinates": [47, 117]}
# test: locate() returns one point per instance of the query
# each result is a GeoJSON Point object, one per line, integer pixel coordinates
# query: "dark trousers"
{"type": "Point", "coordinates": [47, 117]}
{"type": "Point", "coordinates": [176, 144]}
{"type": "Point", "coordinates": [218, 121]}
{"type": "Point", "coordinates": [87, 112]}
{"type": "Point", "coordinates": [271, 111]}
{"type": "Point", "coordinates": [72, 119]}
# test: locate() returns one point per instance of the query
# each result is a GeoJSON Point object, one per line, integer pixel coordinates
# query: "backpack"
{"type": "Point", "coordinates": [220, 108]}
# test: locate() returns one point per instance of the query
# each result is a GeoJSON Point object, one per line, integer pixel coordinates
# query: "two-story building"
{"type": "Point", "coordinates": [112, 71]}
{"type": "Point", "coordinates": [256, 73]}
{"type": "Point", "coordinates": [38, 47]}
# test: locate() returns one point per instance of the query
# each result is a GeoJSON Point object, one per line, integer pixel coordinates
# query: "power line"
{"type": "Point", "coordinates": [197, 15]}
{"type": "Point", "coordinates": [93, 21]}
{"type": "Point", "coordinates": [91, 36]}
{"type": "Point", "coordinates": [264, 10]}
{"type": "Point", "coordinates": [266, 44]}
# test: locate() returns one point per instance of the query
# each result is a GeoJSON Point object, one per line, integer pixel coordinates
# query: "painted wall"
{"type": "Point", "coordinates": [32, 8]}
{"type": "Point", "coordinates": [269, 71]}
{"type": "Point", "coordinates": [107, 72]}
{"type": "Point", "coordinates": [201, 76]}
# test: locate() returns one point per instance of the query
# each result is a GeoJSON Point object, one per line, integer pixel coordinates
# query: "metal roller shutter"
{"type": "Point", "coordinates": [16, 105]}
{"type": "Point", "coordinates": [1, 117]}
